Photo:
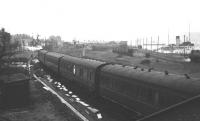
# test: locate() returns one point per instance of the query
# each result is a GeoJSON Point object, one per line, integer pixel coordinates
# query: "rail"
{"type": "Point", "coordinates": [169, 108]}
{"type": "Point", "coordinates": [61, 99]}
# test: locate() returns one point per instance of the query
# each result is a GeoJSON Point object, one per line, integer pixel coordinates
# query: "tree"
{"type": "Point", "coordinates": [15, 45]}
{"type": "Point", "coordinates": [53, 42]}
{"type": "Point", "coordinates": [35, 42]}
{"type": "Point", "coordinates": [38, 41]}
{"type": "Point", "coordinates": [5, 40]}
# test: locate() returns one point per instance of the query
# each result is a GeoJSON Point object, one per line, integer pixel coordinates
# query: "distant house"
{"type": "Point", "coordinates": [67, 44]}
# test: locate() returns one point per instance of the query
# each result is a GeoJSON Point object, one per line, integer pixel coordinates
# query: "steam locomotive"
{"type": "Point", "coordinates": [142, 90]}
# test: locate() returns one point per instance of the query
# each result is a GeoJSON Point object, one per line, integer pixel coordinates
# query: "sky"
{"type": "Point", "coordinates": [102, 20]}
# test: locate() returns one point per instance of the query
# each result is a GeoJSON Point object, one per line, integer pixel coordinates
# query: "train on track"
{"type": "Point", "coordinates": [142, 90]}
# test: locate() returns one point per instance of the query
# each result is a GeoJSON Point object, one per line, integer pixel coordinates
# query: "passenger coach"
{"type": "Point", "coordinates": [81, 70]}
{"type": "Point", "coordinates": [41, 55]}
{"type": "Point", "coordinates": [144, 90]}
{"type": "Point", "coordinates": [52, 61]}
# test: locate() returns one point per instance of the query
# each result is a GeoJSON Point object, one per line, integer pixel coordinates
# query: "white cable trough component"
{"type": "Point", "coordinates": [62, 100]}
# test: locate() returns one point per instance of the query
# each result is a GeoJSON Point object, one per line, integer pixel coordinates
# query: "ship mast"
{"type": "Point", "coordinates": [189, 33]}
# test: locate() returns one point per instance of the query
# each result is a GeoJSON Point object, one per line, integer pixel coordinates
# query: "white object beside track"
{"type": "Point", "coordinates": [62, 100]}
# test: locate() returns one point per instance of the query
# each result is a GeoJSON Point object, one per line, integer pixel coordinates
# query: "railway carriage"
{"type": "Point", "coordinates": [144, 91]}
{"type": "Point", "coordinates": [41, 55]}
{"type": "Point", "coordinates": [52, 61]}
{"type": "Point", "coordinates": [81, 70]}
{"type": "Point", "coordinates": [139, 89]}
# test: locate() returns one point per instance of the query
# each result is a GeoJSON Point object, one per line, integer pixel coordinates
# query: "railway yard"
{"type": "Point", "coordinates": [163, 63]}
{"type": "Point", "coordinates": [43, 106]}
{"type": "Point", "coordinates": [99, 60]}
{"type": "Point", "coordinates": [53, 95]}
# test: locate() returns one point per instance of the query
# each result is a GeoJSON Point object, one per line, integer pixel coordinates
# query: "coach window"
{"type": "Point", "coordinates": [85, 73]}
{"type": "Point", "coordinates": [90, 75]}
{"type": "Point", "coordinates": [74, 69]}
{"type": "Point", "coordinates": [104, 82]}
{"type": "Point", "coordinates": [64, 66]}
{"type": "Point", "coordinates": [133, 90]}
{"type": "Point", "coordinates": [69, 67]}
{"type": "Point", "coordinates": [81, 72]}
{"type": "Point", "coordinates": [150, 95]}
{"type": "Point", "coordinates": [157, 98]}
{"type": "Point", "coordinates": [117, 84]}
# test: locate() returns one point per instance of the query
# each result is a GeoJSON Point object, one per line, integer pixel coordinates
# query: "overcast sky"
{"type": "Point", "coordinates": [101, 19]}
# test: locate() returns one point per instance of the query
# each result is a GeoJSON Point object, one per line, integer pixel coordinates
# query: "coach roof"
{"type": "Point", "coordinates": [53, 54]}
{"type": "Point", "coordinates": [82, 62]}
{"type": "Point", "coordinates": [171, 81]}
{"type": "Point", "coordinates": [43, 51]}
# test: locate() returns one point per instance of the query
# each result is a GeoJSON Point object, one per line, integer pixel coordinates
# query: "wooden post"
{"type": "Point", "coordinates": [158, 44]}
{"type": "Point", "coordinates": [168, 37]}
{"type": "Point", "coordinates": [143, 44]}
{"type": "Point", "coordinates": [184, 47]}
{"type": "Point", "coordinates": [83, 53]}
{"type": "Point", "coordinates": [151, 43]}
{"type": "Point", "coordinates": [146, 43]}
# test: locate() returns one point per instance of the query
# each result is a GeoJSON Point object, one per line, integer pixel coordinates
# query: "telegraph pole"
{"type": "Point", "coordinates": [143, 44]}
{"type": "Point", "coordinates": [83, 52]}
{"type": "Point", "coordinates": [158, 44]}
{"type": "Point", "coordinates": [189, 33]}
{"type": "Point", "coordinates": [151, 43]}
{"type": "Point", "coordinates": [131, 43]}
{"type": "Point", "coordinates": [168, 37]}
{"type": "Point", "coordinates": [184, 46]}
{"type": "Point", "coordinates": [146, 43]}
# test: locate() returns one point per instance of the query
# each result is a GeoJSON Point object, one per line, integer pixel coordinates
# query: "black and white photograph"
{"type": "Point", "coordinates": [99, 60]}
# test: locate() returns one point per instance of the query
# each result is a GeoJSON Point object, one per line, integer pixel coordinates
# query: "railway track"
{"type": "Point", "coordinates": [50, 88]}
{"type": "Point", "coordinates": [137, 89]}
{"type": "Point", "coordinates": [87, 109]}
{"type": "Point", "coordinates": [84, 112]}
{"type": "Point", "coordinates": [168, 57]}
